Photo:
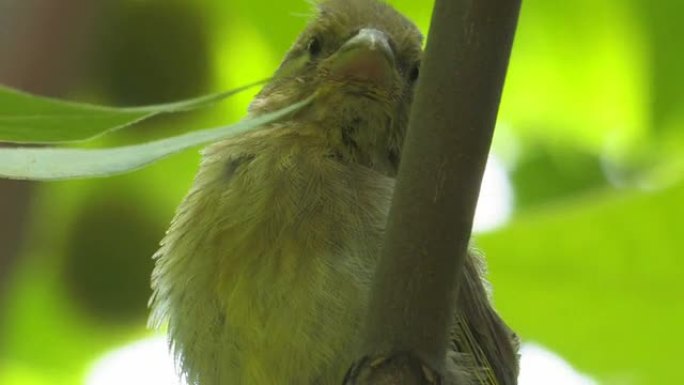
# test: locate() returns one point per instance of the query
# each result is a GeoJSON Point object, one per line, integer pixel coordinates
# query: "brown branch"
{"type": "Point", "coordinates": [451, 126]}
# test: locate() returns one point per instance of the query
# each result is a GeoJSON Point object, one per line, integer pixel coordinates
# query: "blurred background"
{"type": "Point", "coordinates": [580, 215]}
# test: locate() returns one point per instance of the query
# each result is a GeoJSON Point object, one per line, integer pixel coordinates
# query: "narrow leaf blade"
{"type": "Point", "coordinates": [26, 118]}
{"type": "Point", "coordinates": [71, 163]}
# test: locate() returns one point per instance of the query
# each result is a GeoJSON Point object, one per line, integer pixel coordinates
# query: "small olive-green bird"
{"type": "Point", "coordinates": [264, 275]}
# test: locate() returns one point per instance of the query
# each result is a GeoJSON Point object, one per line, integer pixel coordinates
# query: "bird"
{"type": "Point", "coordinates": [264, 274]}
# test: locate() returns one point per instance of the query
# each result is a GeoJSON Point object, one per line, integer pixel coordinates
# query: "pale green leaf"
{"type": "Point", "coordinates": [71, 163]}
{"type": "Point", "coordinates": [26, 118]}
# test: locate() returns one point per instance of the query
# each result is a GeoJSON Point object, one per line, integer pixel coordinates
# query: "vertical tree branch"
{"type": "Point", "coordinates": [445, 152]}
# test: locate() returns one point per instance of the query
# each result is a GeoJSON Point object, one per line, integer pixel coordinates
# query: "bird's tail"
{"type": "Point", "coordinates": [480, 338]}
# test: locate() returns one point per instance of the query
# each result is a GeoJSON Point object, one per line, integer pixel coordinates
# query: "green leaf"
{"type": "Point", "coordinates": [598, 280]}
{"type": "Point", "coordinates": [71, 163]}
{"type": "Point", "coordinates": [26, 118]}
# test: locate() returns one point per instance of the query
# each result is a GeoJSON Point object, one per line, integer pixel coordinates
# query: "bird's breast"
{"type": "Point", "coordinates": [298, 245]}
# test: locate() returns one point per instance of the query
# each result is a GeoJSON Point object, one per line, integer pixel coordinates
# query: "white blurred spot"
{"type": "Point", "coordinates": [145, 362]}
{"type": "Point", "coordinates": [495, 204]}
{"type": "Point", "coordinates": [148, 362]}
{"type": "Point", "coordinates": [506, 145]}
{"type": "Point", "coordinates": [539, 366]}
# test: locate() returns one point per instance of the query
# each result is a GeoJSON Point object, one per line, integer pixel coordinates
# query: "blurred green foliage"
{"type": "Point", "coordinates": [123, 238]}
{"type": "Point", "coordinates": [145, 46]}
{"type": "Point", "coordinates": [591, 129]}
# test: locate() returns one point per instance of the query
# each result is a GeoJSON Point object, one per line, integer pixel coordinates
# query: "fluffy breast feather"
{"type": "Point", "coordinates": [264, 272]}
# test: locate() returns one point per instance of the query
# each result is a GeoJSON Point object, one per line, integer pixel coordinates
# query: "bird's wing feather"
{"type": "Point", "coordinates": [482, 341]}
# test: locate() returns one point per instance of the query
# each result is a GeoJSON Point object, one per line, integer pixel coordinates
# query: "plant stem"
{"type": "Point", "coordinates": [444, 156]}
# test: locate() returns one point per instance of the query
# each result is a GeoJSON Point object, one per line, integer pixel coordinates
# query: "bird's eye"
{"type": "Point", "coordinates": [415, 71]}
{"type": "Point", "coordinates": [314, 46]}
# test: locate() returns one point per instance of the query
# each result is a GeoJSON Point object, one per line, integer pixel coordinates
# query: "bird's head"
{"type": "Point", "coordinates": [360, 58]}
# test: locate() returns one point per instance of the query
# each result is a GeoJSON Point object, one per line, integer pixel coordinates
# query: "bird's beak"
{"type": "Point", "coordinates": [367, 56]}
